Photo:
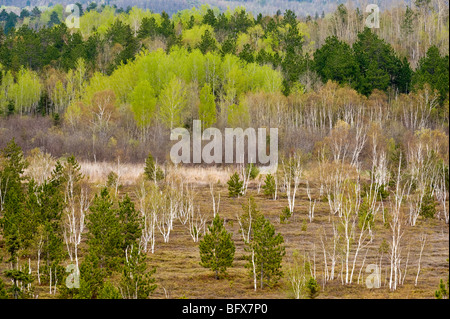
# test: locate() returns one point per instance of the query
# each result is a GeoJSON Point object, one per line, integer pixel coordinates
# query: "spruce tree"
{"type": "Point", "coordinates": [217, 248]}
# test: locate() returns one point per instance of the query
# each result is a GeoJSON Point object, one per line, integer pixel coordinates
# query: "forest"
{"type": "Point", "coordinates": [91, 207]}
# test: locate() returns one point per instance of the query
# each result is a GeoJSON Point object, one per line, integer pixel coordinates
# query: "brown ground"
{"type": "Point", "coordinates": [179, 274]}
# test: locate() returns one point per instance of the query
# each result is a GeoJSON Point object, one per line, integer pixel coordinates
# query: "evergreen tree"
{"type": "Point", "coordinates": [152, 170]}
{"type": "Point", "coordinates": [269, 186]}
{"type": "Point", "coordinates": [15, 220]}
{"type": "Point", "coordinates": [235, 185]}
{"type": "Point", "coordinates": [269, 251]}
{"type": "Point", "coordinates": [136, 281]}
{"type": "Point", "coordinates": [105, 239]}
{"type": "Point", "coordinates": [54, 19]}
{"type": "Point", "coordinates": [434, 70]}
{"type": "Point", "coordinates": [335, 61]}
{"type": "Point", "coordinates": [131, 223]}
{"type": "Point", "coordinates": [217, 248]}
{"type": "Point", "coordinates": [313, 288]}
{"type": "Point", "coordinates": [428, 205]}
{"type": "Point", "coordinates": [207, 43]}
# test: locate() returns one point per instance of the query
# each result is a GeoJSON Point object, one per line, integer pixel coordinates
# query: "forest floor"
{"type": "Point", "coordinates": [179, 274]}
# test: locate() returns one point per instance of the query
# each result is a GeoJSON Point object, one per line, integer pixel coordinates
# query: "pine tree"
{"type": "Point", "coordinates": [136, 282]}
{"type": "Point", "coordinates": [269, 186]}
{"type": "Point", "coordinates": [428, 205]}
{"type": "Point", "coordinates": [235, 185]}
{"type": "Point", "coordinates": [131, 223]}
{"type": "Point", "coordinates": [269, 252]}
{"type": "Point", "coordinates": [105, 239]}
{"type": "Point", "coordinates": [15, 220]}
{"type": "Point", "coordinates": [313, 288]}
{"type": "Point", "coordinates": [217, 248]}
{"type": "Point", "coordinates": [152, 170]}
{"type": "Point", "coordinates": [207, 43]}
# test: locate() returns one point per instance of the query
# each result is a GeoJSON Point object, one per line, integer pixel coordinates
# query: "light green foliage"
{"type": "Point", "coordinates": [207, 107]}
{"type": "Point", "coordinates": [192, 37]}
{"type": "Point", "coordinates": [172, 103]}
{"type": "Point", "coordinates": [143, 103]}
{"type": "Point", "coordinates": [25, 93]}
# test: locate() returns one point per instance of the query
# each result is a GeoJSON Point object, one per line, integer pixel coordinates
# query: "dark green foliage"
{"type": "Point", "coordinates": [54, 19]}
{"type": "Point", "coordinates": [130, 221]}
{"type": "Point", "coordinates": [152, 170]}
{"type": "Point", "coordinates": [312, 288]}
{"type": "Point", "coordinates": [228, 45]}
{"type": "Point", "coordinates": [136, 282]}
{"type": "Point", "coordinates": [217, 248]}
{"type": "Point", "coordinates": [335, 61]}
{"type": "Point", "coordinates": [433, 69]}
{"type": "Point", "coordinates": [378, 64]}
{"type": "Point", "coordinates": [92, 277]}
{"type": "Point", "coordinates": [269, 186]}
{"type": "Point", "coordinates": [210, 18]}
{"type": "Point", "coordinates": [105, 239]}
{"type": "Point", "coordinates": [109, 292]}
{"type": "Point", "coordinates": [235, 186]}
{"type": "Point", "coordinates": [207, 43]}
{"type": "Point", "coordinates": [148, 28]}
{"type": "Point", "coordinates": [269, 252]}
{"type": "Point", "coordinates": [3, 292]}
{"type": "Point", "coordinates": [285, 215]}
{"type": "Point", "coordinates": [442, 292]}
{"type": "Point", "coordinates": [247, 54]}
{"type": "Point", "coordinates": [15, 221]}
{"type": "Point", "coordinates": [428, 206]}
{"type": "Point", "coordinates": [20, 279]}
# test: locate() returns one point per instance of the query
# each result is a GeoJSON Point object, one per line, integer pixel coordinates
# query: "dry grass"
{"type": "Point", "coordinates": [179, 274]}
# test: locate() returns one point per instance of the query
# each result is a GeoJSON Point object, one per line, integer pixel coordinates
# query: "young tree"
{"type": "Point", "coordinates": [105, 239]}
{"type": "Point", "coordinates": [172, 103]}
{"type": "Point", "coordinates": [136, 282]}
{"type": "Point", "coordinates": [235, 186]}
{"type": "Point", "coordinates": [217, 248]}
{"type": "Point", "coordinates": [268, 252]}
{"type": "Point", "coordinates": [152, 171]}
{"type": "Point", "coordinates": [270, 186]}
{"type": "Point", "coordinates": [207, 107]}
